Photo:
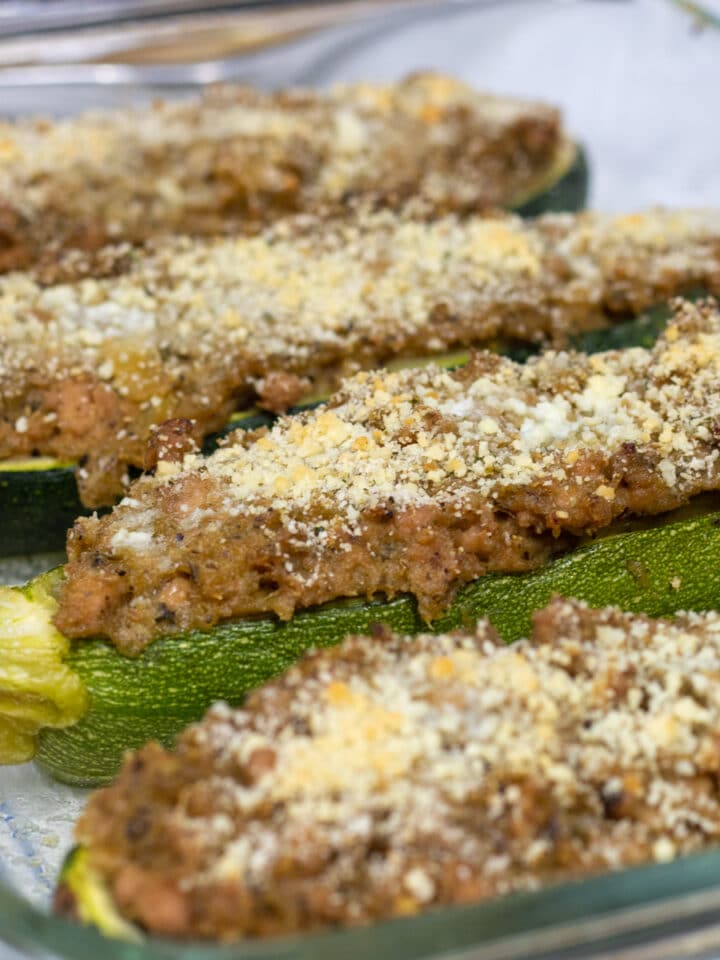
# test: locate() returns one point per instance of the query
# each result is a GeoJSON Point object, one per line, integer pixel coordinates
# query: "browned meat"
{"type": "Point", "coordinates": [416, 481]}
{"type": "Point", "coordinates": [238, 159]}
{"type": "Point", "coordinates": [279, 390]}
{"type": "Point", "coordinates": [171, 442]}
{"type": "Point", "coordinates": [390, 775]}
{"type": "Point", "coordinates": [197, 328]}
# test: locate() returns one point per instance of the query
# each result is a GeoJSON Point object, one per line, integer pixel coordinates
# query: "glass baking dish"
{"type": "Point", "coordinates": [638, 85]}
{"type": "Point", "coordinates": [658, 911]}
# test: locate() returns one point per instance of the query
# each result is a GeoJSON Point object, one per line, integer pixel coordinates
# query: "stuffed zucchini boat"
{"type": "Point", "coordinates": [197, 329]}
{"type": "Point", "coordinates": [237, 158]}
{"type": "Point", "coordinates": [450, 488]}
{"type": "Point", "coordinates": [394, 774]}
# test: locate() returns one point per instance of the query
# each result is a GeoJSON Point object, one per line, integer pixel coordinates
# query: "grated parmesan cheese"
{"type": "Point", "coordinates": [394, 773]}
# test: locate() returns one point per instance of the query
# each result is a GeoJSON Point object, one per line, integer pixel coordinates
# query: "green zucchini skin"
{"type": "Point", "coordinates": [640, 331]}
{"type": "Point", "coordinates": [566, 195]}
{"type": "Point", "coordinates": [38, 507]}
{"type": "Point", "coordinates": [657, 571]}
{"type": "Point", "coordinates": [173, 681]}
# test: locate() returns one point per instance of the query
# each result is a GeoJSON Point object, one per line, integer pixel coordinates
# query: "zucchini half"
{"type": "Point", "coordinates": [121, 703]}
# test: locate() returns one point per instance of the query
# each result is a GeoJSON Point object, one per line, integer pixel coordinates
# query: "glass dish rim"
{"type": "Point", "coordinates": [192, 77]}
{"type": "Point", "coordinates": [603, 908]}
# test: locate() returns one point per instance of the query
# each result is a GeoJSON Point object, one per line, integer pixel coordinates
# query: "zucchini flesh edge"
{"type": "Point", "coordinates": [118, 703]}
{"type": "Point", "coordinates": [562, 189]}
{"type": "Point", "coordinates": [81, 894]}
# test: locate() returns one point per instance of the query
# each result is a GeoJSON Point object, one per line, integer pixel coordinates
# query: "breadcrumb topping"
{"type": "Point", "coordinates": [286, 298]}
{"type": "Point", "coordinates": [296, 291]}
{"type": "Point", "coordinates": [238, 158]}
{"type": "Point", "coordinates": [195, 327]}
{"type": "Point", "coordinates": [428, 435]}
{"type": "Point", "coordinates": [392, 774]}
{"type": "Point", "coordinates": [410, 481]}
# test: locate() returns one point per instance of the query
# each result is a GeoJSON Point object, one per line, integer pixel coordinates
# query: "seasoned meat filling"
{"type": "Point", "coordinates": [414, 481]}
{"type": "Point", "coordinates": [196, 329]}
{"type": "Point", "coordinates": [390, 775]}
{"type": "Point", "coordinates": [239, 158]}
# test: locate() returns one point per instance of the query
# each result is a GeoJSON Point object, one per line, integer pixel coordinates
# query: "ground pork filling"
{"type": "Point", "coordinates": [197, 329]}
{"type": "Point", "coordinates": [416, 481]}
{"type": "Point", "coordinates": [390, 775]}
{"type": "Point", "coordinates": [239, 158]}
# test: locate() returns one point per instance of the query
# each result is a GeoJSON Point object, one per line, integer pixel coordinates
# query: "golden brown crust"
{"type": "Point", "coordinates": [391, 775]}
{"type": "Point", "coordinates": [416, 481]}
{"type": "Point", "coordinates": [238, 159]}
{"type": "Point", "coordinates": [196, 329]}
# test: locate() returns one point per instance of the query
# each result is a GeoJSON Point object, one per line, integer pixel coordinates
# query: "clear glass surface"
{"type": "Point", "coordinates": [639, 913]}
{"type": "Point", "coordinates": [638, 83]}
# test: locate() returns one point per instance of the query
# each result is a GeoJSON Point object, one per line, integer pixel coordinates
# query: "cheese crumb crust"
{"type": "Point", "coordinates": [415, 481]}
{"type": "Point", "coordinates": [196, 327]}
{"type": "Point", "coordinates": [239, 158]}
{"type": "Point", "coordinates": [393, 774]}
